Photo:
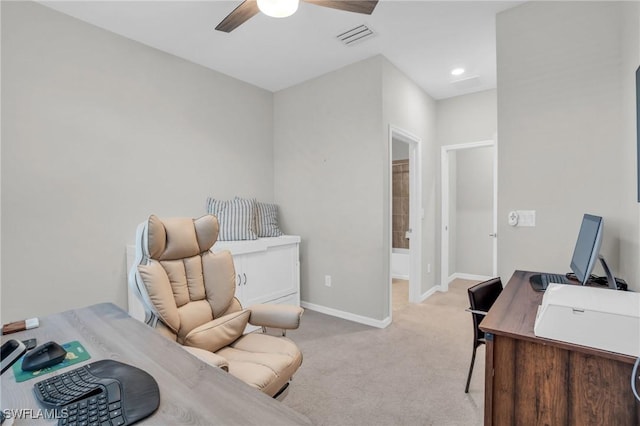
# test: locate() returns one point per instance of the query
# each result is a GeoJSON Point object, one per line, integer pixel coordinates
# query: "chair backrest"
{"type": "Point", "coordinates": [481, 298]}
{"type": "Point", "coordinates": [181, 282]}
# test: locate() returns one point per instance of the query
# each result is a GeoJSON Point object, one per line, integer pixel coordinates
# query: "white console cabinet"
{"type": "Point", "coordinates": [267, 271]}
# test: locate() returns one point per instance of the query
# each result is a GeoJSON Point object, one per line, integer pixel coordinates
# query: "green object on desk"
{"type": "Point", "coordinates": [75, 353]}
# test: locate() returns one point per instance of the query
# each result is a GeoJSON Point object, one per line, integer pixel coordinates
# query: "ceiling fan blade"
{"type": "Point", "coordinates": [239, 16]}
{"type": "Point", "coordinates": [357, 6]}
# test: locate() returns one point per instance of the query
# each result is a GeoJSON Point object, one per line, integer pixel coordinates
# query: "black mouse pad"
{"type": "Point", "coordinates": [75, 353]}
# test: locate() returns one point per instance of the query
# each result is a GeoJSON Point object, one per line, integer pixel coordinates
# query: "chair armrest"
{"type": "Point", "coordinates": [286, 317]}
{"type": "Point", "coordinates": [208, 357]}
{"type": "Point", "coordinates": [473, 311]}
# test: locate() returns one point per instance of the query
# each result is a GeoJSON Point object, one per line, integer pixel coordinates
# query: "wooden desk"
{"type": "Point", "coordinates": [191, 392]}
{"type": "Point", "coordinates": [536, 381]}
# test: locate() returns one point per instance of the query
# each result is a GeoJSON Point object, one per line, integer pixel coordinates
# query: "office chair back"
{"type": "Point", "coordinates": [188, 285]}
{"type": "Point", "coordinates": [189, 296]}
{"type": "Point", "coordinates": [481, 298]}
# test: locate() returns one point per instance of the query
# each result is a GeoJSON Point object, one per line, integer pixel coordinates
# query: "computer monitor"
{"type": "Point", "coordinates": [585, 253]}
{"type": "Point", "coordinates": [587, 247]}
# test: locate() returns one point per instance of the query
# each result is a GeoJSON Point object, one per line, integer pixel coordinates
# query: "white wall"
{"type": "Point", "coordinates": [567, 131]}
{"type": "Point", "coordinates": [465, 119]}
{"type": "Point", "coordinates": [98, 132]}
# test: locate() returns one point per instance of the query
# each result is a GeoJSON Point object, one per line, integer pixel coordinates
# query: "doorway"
{"type": "Point", "coordinates": [469, 244]}
{"type": "Point", "coordinates": [406, 235]}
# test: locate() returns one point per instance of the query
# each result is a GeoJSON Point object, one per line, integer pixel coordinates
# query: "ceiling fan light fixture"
{"type": "Point", "coordinates": [278, 8]}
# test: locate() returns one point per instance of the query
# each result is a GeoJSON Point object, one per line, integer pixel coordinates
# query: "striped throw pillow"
{"type": "Point", "coordinates": [236, 218]}
{"type": "Point", "coordinates": [214, 206]}
{"type": "Point", "coordinates": [267, 220]}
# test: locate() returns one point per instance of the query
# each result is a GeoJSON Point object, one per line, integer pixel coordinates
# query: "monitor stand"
{"type": "Point", "coordinates": [611, 280]}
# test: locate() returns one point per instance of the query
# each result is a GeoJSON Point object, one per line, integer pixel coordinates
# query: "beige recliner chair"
{"type": "Point", "coordinates": [189, 296]}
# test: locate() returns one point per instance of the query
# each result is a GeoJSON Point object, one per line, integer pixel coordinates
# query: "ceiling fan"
{"type": "Point", "coordinates": [283, 8]}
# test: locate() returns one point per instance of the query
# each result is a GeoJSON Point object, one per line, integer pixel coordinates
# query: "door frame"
{"type": "Point", "coordinates": [445, 193]}
{"type": "Point", "coordinates": [415, 212]}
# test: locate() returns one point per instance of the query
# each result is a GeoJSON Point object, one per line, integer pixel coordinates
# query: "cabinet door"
{"type": "Point", "coordinates": [238, 262]}
{"type": "Point", "coordinates": [269, 274]}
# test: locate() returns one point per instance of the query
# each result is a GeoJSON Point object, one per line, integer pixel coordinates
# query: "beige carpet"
{"type": "Point", "coordinates": [410, 373]}
{"type": "Point", "coordinates": [399, 294]}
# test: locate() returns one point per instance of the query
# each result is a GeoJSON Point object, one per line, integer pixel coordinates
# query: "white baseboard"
{"type": "Point", "coordinates": [471, 277]}
{"type": "Point", "coordinates": [400, 277]}
{"type": "Point", "coordinates": [346, 315]}
{"type": "Point", "coordinates": [430, 292]}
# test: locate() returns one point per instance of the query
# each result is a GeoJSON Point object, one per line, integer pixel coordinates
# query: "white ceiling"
{"type": "Point", "coordinates": [425, 39]}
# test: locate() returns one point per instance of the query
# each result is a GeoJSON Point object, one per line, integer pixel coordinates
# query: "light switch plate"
{"type": "Point", "coordinates": [526, 218]}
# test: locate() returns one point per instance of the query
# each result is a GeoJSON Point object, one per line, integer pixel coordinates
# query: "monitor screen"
{"type": "Point", "coordinates": [638, 129]}
{"type": "Point", "coordinates": [587, 247]}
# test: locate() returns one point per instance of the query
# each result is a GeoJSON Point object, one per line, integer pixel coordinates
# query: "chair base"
{"type": "Point", "coordinates": [473, 360]}
{"type": "Point", "coordinates": [282, 393]}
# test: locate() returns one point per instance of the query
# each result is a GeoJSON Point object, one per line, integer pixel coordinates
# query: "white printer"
{"type": "Point", "coordinates": [595, 317]}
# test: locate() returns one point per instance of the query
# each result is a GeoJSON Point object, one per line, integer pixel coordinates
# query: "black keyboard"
{"type": "Point", "coordinates": [103, 393]}
{"type": "Point", "coordinates": [540, 282]}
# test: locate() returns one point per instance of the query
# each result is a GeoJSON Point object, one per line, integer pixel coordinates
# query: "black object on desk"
{"type": "Point", "coordinates": [604, 281]}
{"type": "Point", "coordinates": [540, 282]}
{"type": "Point", "coordinates": [44, 356]}
{"type": "Point", "coordinates": [30, 343]}
{"type": "Point", "coordinates": [12, 350]}
{"type": "Point", "coordinates": [103, 392]}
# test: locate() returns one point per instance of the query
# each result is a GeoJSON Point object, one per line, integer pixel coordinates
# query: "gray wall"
{"type": "Point", "coordinates": [408, 107]}
{"type": "Point", "coordinates": [329, 160]}
{"type": "Point", "coordinates": [332, 179]}
{"type": "Point", "coordinates": [465, 119]}
{"type": "Point", "coordinates": [399, 150]}
{"type": "Point", "coordinates": [98, 132]}
{"type": "Point", "coordinates": [567, 131]}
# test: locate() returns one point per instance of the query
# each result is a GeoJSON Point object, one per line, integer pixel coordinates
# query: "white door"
{"type": "Point", "coordinates": [469, 211]}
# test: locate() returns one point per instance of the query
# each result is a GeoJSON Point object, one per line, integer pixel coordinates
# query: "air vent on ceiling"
{"type": "Point", "coordinates": [467, 83]}
{"type": "Point", "coordinates": [357, 34]}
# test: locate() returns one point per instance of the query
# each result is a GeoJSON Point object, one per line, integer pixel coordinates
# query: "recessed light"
{"type": "Point", "coordinates": [457, 71]}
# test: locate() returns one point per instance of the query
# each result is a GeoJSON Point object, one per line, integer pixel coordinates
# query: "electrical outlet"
{"type": "Point", "coordinates": [327, 280]}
